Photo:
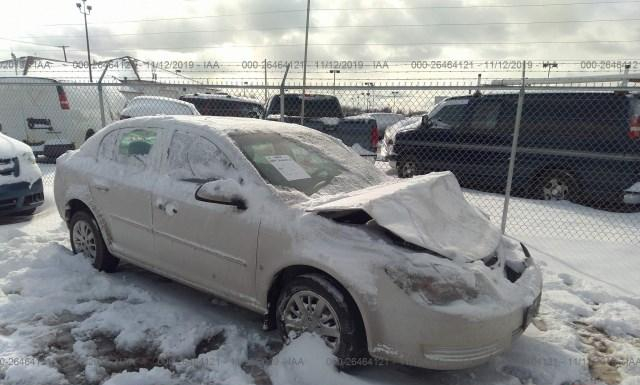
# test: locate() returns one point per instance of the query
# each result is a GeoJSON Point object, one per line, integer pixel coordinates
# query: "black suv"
{"type": "Point", "coordinates": [224, 105]}
{"type": "Point", "coordinates": [582, 146]}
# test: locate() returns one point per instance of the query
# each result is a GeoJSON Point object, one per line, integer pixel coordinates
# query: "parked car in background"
{"type": "Point", "coordinates": [383, 119]}
{"type": "Point", "coordinates": [582, 146]}
{"type": "Point", "coordinates": [52, 117]}
{"type": "Point", "coordinates": [324, 113]}
{"type": "Point", "coordinates": [385, 146]}
{"type": "Point", "coordinates": [20, 178]}
{"type": "Point", "coordinates": [224, 105]}
{"type": "Point", "coordinates": [290, 223]}
{"type": "Point", "coordinates": [156, 105]}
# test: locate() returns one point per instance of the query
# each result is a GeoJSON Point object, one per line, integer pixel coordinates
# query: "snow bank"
{"type": "Point", "coordinates": [617, 319]}
{"type": "Point", "coordinates": [33, 375]}
{"type": "Point", "coordinates": [155, 376]}
{"type": "Point", "coordinates": [308, 361]}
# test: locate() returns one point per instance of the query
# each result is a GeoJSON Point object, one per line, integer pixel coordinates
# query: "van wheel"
{"type": "Point", "coordinates": [310, 303]}
{"type": "Point", "coordinates": [89, 134]}
{"type": "Point", "coordinates": [557, 185]}
{"type": "Point", "coordinates": [87, 239]}
{"type": "Point", "coordinates": [407, 169]}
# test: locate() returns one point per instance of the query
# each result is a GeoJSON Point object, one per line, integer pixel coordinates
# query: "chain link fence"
{"type": "Point", "coordinates": [575, 156]}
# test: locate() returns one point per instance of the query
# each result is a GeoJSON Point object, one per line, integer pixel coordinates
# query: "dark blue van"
{"type": "Point", "coordinates": [577, 146]}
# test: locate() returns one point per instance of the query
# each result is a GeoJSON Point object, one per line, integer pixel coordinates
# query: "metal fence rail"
{"type": "Point", "coordinates": [573, 163]}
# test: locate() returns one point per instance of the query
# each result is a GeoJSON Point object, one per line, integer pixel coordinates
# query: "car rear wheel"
{"type": "Point", "coordinates": [86, 239]}
{"type": "Point", "coordinates": [557, 185]}
{"type": "Point", "coordinates": [310, 303]}
{"type": "Point", "coordinates": [407, 169]}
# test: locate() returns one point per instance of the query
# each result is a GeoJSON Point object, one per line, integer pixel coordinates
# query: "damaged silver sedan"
{"type": "Point", "coordinates": [290, 223]}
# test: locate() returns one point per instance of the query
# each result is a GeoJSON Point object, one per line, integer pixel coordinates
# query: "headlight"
{"type": "Point", "coordinates": [437, 285]}
{"type": "Point", "coordinates": [28, 157]}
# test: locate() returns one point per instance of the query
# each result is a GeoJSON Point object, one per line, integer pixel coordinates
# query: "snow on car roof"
{"type": "Point", "coordinates": [221, 125]}
{"type": "Point", "coordinates": [220, 97]}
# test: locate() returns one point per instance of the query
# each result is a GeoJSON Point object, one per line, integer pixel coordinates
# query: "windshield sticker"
{"type": "Point", "coordinates": [288, 167]}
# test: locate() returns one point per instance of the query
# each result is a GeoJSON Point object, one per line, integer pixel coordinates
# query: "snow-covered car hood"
{"type": "Point", "coordinates": [10, 148]}
{"type": "Point", "coordinates": [428, 211]}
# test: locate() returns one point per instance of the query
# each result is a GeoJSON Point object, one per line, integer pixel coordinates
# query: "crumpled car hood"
{"type": "Point", "coordinates": [429, 211]}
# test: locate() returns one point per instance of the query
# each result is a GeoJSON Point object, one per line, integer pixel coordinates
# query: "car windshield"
{"type": "Point", "coordinates": [307, 162]}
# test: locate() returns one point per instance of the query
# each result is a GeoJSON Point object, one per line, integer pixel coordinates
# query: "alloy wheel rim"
{"type": "Point", "coordinates": [307, 311]}
{"type": "Point", "coordinates": [84, 240]}
{"type": "Point", "coordinates": [555, 189]}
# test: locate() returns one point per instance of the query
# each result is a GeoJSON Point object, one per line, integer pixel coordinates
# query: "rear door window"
{"type": "Point", "coordinates": [135, 147]}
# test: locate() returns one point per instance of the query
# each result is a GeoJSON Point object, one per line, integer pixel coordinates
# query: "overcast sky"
{"type": "Point", "coordinates": [246, 30]}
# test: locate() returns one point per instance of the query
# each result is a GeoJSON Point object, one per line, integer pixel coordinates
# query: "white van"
{"type": "Point", "coordinates": [50, 116]}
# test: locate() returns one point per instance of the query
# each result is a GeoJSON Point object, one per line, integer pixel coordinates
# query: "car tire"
{"type": "Point", "coordinates": [339, 315]}
{"type": "Point", "coordinates": [407, 169]}
{"type": "Point", "coordinates": [556, 185]}
{"type": "Point", "coordinates": [86, 238]}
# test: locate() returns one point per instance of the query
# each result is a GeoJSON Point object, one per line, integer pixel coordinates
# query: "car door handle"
{"type": "Point", "coordinates": [101, 187]}
{"type": "Point", "coordinates": [168, 208]}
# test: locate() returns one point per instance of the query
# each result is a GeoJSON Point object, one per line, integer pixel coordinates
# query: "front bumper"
{"type": "Point", "coordinates": [20, 197]}
{"type": "Point", "coordinates": [405, 332]}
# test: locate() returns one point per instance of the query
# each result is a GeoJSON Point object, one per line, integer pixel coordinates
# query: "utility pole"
{"type": "Point", "coordinates": [64, 51]}
{"type": "Point", "coordinates": [334, 72]}
{"type": "Point", "coordinates": [304, 64]}
{"type": "Point", "coordinates": [86, 10]}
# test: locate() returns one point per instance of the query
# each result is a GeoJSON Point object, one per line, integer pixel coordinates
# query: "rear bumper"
{"type": "Point", "coordinates": [20, 197]}
{"type": "Point", "coordinates": [632, 195]}
{"type": "Point", "coordinates": [631, 198]}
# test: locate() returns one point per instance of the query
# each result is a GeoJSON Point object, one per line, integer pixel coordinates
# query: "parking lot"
{"type": "Point", "coordinates": [68, 322]}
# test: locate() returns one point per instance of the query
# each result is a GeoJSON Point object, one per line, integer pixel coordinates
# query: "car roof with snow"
{"type": "Point", "coordinates": [218, 96]}
{"type": "Point", "coordinates": [220, 125]}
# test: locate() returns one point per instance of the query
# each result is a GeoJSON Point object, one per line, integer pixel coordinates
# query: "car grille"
{"type": "Point", "coordinates": [9, 166]}
{"type": "Point", "coordinates": [463, 354]}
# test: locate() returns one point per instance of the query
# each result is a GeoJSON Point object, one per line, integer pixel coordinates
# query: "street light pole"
{"type": "Point", "coordinates": [549, 65]}
{"type": "Point", "coordinates": [334, 72]}
{"type": "Point", "coordinates": [394, 93]}
{"type": "Point", "coordinates": [86, 10]}
{"type": "Point", "coordinates": [370, 84]}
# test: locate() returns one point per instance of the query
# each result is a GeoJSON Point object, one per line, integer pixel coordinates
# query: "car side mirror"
{"type": "Point", "coordinates": [426, 121]}
{"type": "Point", "coordinates": [223, 192]}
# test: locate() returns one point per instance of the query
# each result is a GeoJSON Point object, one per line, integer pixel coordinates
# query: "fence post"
{"type": "Point", "coordinates": [304, 64]}
{"type": "Point", "coordinates": [103, 120]}
{"type": "Point", "coordinates": [284, 79]}
{"type": "Point", "coordinates": [514, 148]}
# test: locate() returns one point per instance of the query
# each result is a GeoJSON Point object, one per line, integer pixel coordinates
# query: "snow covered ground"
{"type": "Point", "coordinates": [63, 322]}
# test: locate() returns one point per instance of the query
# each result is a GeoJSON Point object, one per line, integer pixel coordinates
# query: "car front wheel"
{"type": "Point", "coordinates": [86, 239]}
{"type": "Point", "coordinates": [310, 303]}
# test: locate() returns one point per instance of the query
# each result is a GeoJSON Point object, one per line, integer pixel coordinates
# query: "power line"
{"type": "Point", "coordinates": [30, 43]}
{"type": "Point", "coordinates": [544, 22]}
{"type": "Point", "coordinates": [300, 10]}
{"type": "Point", "coordinates": [227, 46]}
